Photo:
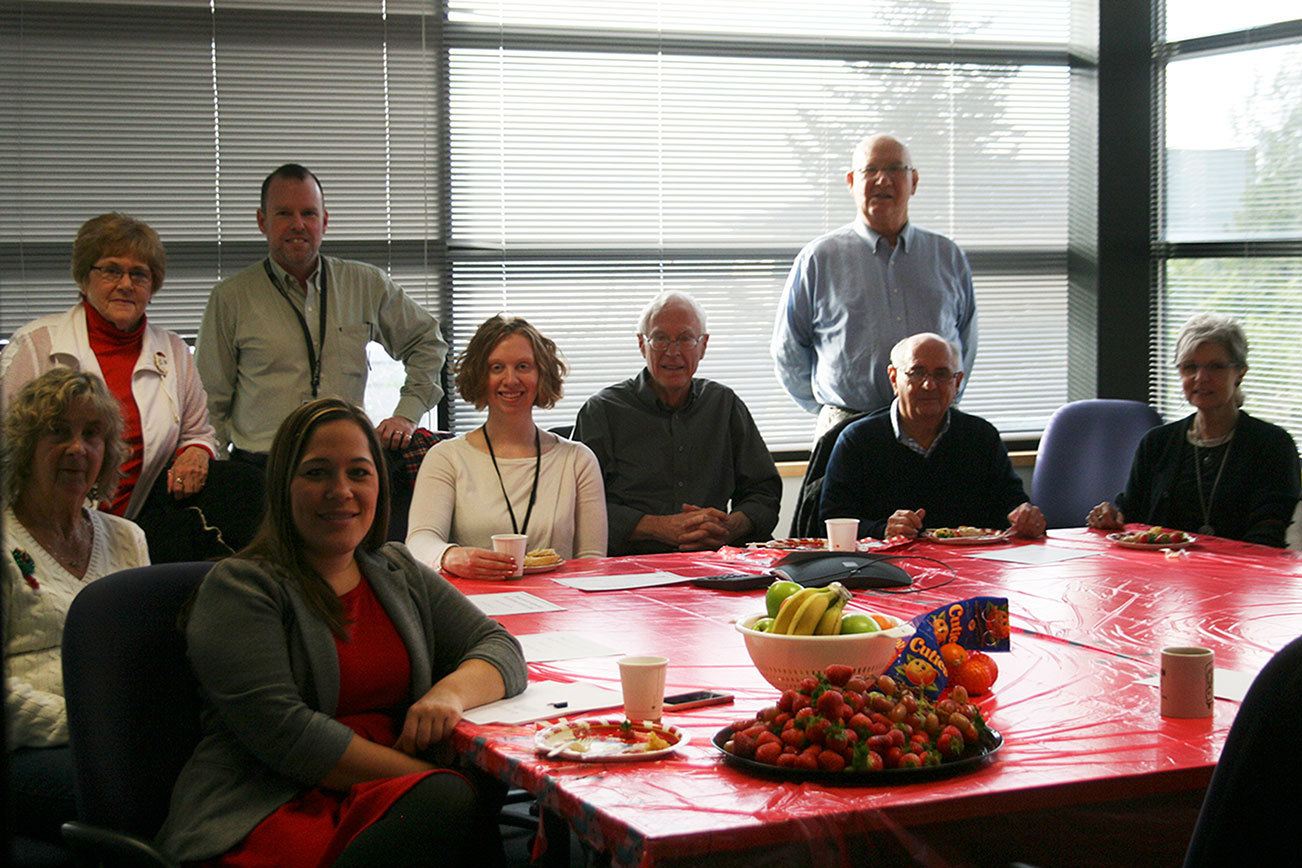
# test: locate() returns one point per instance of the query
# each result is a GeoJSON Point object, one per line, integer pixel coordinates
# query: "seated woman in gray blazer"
{"type": "Point", "coordinates": [332, 666]}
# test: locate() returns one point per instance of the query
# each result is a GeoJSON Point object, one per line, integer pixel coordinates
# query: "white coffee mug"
{"type": "Point", "coordinates": [1187, 682]}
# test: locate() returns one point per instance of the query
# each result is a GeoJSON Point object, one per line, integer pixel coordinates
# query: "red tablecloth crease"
{"type": "Point", "coordinates": [1079, 730]}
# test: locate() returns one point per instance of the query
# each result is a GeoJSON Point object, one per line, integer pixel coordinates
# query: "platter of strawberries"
{"type": "Point", "coordinates": [839, 727]}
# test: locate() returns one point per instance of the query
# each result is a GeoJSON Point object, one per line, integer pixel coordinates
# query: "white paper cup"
{"type": "Point", "coordinates": [513, 544]}
{"type": "Point", "coordinates": [643, 681]}
{"type": "Point", "coordinates": [1186, 682]}
{"type": "Point", "coordinates": [842, 534]}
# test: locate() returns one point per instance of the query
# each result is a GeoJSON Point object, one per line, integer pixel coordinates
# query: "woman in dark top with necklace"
{"type": "Point", "coordinates": [1220, 471]}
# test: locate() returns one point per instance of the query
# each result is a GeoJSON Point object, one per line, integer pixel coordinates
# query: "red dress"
{"type": "Point", "coordinates": [374, 674]}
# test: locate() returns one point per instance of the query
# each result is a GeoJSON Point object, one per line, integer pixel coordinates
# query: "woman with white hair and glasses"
{"type": "Point", "coordinates": [1219, 471]}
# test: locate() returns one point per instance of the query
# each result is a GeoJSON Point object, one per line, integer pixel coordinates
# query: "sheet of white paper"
{"type": "Point", "coordinates": [541, 699]}
{"type": "Point", "coordinates": [1227, 683]}
{"type": "Point", "coordinates": [623, 583]}
{"type": "Point", "coordinates": [1032, 555]}
{"type": "Point", "coordinates": [561, 645]}
{"type": "Point", "coordinates": [512, 603]}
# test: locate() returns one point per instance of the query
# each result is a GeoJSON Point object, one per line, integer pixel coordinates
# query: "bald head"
{"type": "Point", "coordinates": [865, 146]}
{"type": "Point", "coordinates": [902, 353]}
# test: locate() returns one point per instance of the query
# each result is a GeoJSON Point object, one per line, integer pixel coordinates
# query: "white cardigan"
{"type": "Point", "coordinates": [172, 403]}
{"type": "Point", "coordinates": [458, 501]}
{"type": "Point", "coordinates": [34, 616]}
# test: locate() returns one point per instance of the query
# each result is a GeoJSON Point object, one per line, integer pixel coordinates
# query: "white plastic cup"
{"type": "Point", "coordinates": [842, 534]}
{"type": "Point", "coordinates": [513, 544]}
{"type": "Point", "coordinates": [1187, 682]}
{"type": "Point", "coordinates": [643, 682]}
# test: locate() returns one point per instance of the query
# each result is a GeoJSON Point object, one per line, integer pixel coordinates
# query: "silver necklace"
{"type": "Point", "coordinates": [1206, 505]}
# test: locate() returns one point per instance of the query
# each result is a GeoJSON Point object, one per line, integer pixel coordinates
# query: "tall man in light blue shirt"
{"type": "Point", "coordinates": [856, 291]}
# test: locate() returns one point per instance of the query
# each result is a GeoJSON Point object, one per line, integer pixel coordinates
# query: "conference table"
{"type": "Point", "coordinates": [1089, 772]}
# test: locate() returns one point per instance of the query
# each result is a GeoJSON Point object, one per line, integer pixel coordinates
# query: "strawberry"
{"type": "Point", "coordinates": [838, 674]}
{"type": "Point", "coordinates": [831, 761]}
{"type": "Point", "coordinates": [795, 738]}
{"type": "Point", "coordinates": [768, 753]}
{"type": "Point", "coordinates": [830, 704]}
{"type": "Point", "coordinates": [950, 743]}
{"type": "Point", "coordinates": [805, 761]}
{"type": "Point", "coordinates": [835, 738]}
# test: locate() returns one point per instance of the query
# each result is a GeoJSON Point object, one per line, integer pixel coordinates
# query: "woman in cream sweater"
{"type": "Point", "coordinates": [507, 476]}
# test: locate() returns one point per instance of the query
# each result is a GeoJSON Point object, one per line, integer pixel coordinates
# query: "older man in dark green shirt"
{"type": "Point", "coordinates": [684, 466]}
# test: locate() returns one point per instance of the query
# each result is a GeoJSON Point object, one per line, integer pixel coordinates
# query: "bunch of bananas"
{"type": "Point", "coordinates": [812, 612]}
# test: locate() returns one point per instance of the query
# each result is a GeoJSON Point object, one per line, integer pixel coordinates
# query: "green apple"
{"type": "Point", "coordinates": [859, 623]}
{"type": "Point", "coordinates": [777, 592]}
{"type": "Point", "coordinates": [763, 625]}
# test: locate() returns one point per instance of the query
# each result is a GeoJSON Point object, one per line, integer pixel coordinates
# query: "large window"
{"type": "Point", "coordinates": [560, 161]}
{"type": "Point", "coordinates": [1228, 227]}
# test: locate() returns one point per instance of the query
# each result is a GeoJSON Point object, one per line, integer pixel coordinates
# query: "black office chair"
{"type": "Point", "coordinates": [1251, 804]}
{"type": "Point", "coordinates": [806, 521]}
{"type": "Point", "coordinates": [133, 708]}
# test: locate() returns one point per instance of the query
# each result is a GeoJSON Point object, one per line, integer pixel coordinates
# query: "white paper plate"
{"type": "Point", "coordinates": [599, 741]}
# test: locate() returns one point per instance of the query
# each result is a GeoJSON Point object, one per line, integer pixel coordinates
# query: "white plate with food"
{"type": "Point", "coordinates": [1154, 539]}
{"type": "Point", "coordinates": [793, 544]}
{"type": "Point", "coordinates": [612, 740]}
{"type": "Point", "coordinates": [966, 536]}
{"type": "Point", "coordinates": [542, 561]}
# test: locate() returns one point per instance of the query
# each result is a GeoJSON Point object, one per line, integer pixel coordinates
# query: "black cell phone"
{"type": "Point", "coordinates": [695, 699]}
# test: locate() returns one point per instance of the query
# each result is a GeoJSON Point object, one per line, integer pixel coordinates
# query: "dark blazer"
{"type": "Point", "coordinates": [269, 674]}
{"type": "Point", "coordinates": [1257, 494]}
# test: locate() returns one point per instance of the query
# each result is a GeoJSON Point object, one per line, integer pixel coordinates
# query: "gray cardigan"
{"type": "Point", "coordinates": [269, 674]}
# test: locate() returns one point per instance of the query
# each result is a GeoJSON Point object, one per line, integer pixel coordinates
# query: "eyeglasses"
{"type": "Point", "coordinates": [940, 376]}
{"type": "Point", "coordinates": [1190, 369]}
{"type": "Point", "coordinates": [141, 278]}
{"type": "Point", "coordinates": [894, 170]}
{"type": "Point", "coordinates": [660, 343]}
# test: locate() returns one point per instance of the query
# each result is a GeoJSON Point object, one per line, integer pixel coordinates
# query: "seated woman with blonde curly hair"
{"type": "Point", "coordinates": [61, 451]}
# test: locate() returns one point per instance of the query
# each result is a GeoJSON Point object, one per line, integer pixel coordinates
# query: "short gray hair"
{"type": "Point", "coordinates": [1213, 328]}
{"type": "Point", "coordinates": [901, 351]}
{"type": "Point", "coordinates": [669, 298]}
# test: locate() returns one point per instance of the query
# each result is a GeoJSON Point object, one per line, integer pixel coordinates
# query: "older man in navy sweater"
{"type": "Point", "coordinates": [922, 463]}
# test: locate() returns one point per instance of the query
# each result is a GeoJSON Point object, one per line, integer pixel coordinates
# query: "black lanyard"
{"type": "Point", "coordinates": [313, 353]}
{"type": "Point", "coordinates": [533, 495]}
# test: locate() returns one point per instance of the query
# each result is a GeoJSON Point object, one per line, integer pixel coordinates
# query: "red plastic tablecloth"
{"type": "Point", "coordinates": [1078, 729]}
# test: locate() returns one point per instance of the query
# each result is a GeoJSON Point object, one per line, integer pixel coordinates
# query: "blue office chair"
{"type": "Point", "coordinates": [1085, 454]}
{"type": "Point", "coordinates": [1251, 803]}
{"type": "Point", "coordinates": [133, 708]}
